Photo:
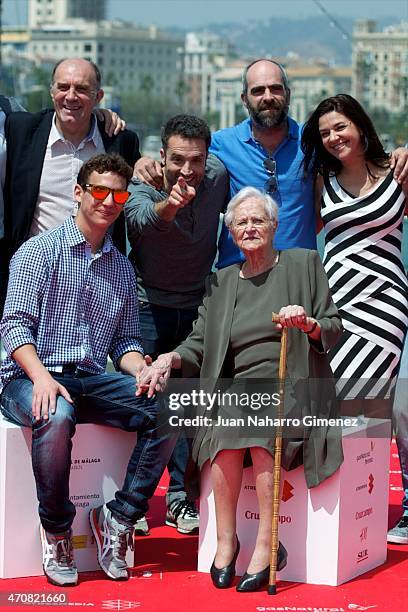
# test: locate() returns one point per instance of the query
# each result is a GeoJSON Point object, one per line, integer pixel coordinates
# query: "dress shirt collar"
{"type": "Point", "coordinates": [93, 134]}
{"type": "Point", "coordinates": [75, 236]}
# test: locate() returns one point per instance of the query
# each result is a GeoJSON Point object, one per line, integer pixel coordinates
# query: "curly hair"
{"type": "Point", "coordinates": [102, 163]}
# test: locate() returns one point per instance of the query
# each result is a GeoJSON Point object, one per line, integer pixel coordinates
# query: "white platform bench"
{"type": "Point", "coordinates": [333, 532]}
{"type": "Point", "coordinates": [99, 459]}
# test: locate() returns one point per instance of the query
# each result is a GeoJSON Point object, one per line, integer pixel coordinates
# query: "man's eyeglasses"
{"type": "Point", "coordinates": [100, 193]}
{"type": "Point", "coordinates": [271, 184]}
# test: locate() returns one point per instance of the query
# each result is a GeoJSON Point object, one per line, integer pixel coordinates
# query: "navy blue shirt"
{"type": "Point", "coordinates": [243, 157]}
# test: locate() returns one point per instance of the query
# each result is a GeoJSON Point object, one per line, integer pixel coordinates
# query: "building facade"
{"type": "Point", "coordinates": [380, 66]}
{"type": "Point", "coordinates": [52, 12]}
{"type": "Point", "coordinates": [130, 58]}
{"type": "Point", "coordinates": [205, 54]}
{"type": "Point", "coordinates": [310, 84]}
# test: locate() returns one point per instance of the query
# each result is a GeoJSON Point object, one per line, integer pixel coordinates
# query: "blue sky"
{"type": "Point", "coordinates": [192, 13]}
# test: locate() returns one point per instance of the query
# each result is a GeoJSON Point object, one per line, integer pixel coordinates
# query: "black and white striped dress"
{"type": "Point", "coordinates": [363, 263]}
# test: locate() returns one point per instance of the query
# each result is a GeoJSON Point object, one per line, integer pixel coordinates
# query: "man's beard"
{"type": "Point", "coordinates": [262, 120]}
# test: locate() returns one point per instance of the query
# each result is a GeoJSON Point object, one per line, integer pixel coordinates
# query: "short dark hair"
{"type": "Point", "coordinates": [98, 77]}
{"type": "Point", "coordinates": [316, 156]}
{"type": "Point", "coordinates": [102, 163]}
{"type": "Point", "coordinates": [187, 126]}
{"type": "Point", "coordinates": [284, 76]}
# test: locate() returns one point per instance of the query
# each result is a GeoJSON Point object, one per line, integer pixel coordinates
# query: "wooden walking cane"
{"type": "Point", "coordinates": [278, 456]}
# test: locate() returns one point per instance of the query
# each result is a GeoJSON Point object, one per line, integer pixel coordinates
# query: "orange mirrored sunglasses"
{"type": "Point", "coordinates": [100, 193]}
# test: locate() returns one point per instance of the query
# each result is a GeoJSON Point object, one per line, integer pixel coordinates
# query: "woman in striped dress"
{"type": "Point", "coordinates": [362, 210]}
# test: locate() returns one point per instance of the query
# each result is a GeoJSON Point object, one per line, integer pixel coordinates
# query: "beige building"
{"type": "Point", "coordinates": [380, 66]}
{"type": "Point", "coordinates": [226, 88]}
{"type": "Point", "coordinates": [47, 12]}
{"type": "Point", "coordinates": [130, 58]}
{"type": "Point", "coordinates": [311, 84]}
{"type": "Point", "coordinates": [205, 55]}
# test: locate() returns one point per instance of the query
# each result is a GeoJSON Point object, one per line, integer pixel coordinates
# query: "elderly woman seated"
{"type": "Point", "coordinates": [234, 338]}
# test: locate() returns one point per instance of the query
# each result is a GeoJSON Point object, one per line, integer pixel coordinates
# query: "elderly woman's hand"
{"type": "Point", "coordinates": [153, 377]}
{"type": "Point", "coordinates": [295, 316]}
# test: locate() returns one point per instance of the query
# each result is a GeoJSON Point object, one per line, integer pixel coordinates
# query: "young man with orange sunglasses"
{"type": "Point", "coordinates": [71, 301]}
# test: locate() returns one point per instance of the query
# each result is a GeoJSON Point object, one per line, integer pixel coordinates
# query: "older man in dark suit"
{"type": "Point", "coordinates": [46, 150]}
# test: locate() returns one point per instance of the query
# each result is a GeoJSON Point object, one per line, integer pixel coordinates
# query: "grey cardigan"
{"type": "Point", "coordinates": [304, 282]}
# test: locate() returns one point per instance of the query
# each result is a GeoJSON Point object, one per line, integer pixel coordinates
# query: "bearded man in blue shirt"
{"type": "Point", "coordinates": [264, 151]}
{"type": "Point", "coordinates": [71, 301]}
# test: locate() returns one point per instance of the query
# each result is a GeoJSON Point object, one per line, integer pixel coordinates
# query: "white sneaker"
{"type": "Point", "coordinates": [182, 514]}
{"type": "Point", "coordinates": [112, 540]}
{"type": "Point", "coordinates": [142, 527]}
{"type": "Point", "coordinates": [58, 558]}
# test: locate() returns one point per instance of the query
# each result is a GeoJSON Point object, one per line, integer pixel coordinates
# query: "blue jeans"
{"type": "Point", "coordinates": [400, 420]}
{"type": "Point", "coordinates": [162, 330]}
{"type": "Point", "coordinates": [107, 399]}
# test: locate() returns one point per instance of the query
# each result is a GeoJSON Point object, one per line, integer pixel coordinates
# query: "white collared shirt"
{"type": "Point", "coordinates": [62, 163]}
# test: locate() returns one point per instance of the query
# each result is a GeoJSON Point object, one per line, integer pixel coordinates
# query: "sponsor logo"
{"type": "Point", "coordinates": [366, 457]}
{"type": "Point", "coordinates": [367, 485]}
{"type": "Point", "coordinates": [363, 513]}
{"type": "Point", "coordinates": [80, 541]}
{"type": "Point", "coordinates": [254, 516]}
{"type": "Point", "coordinates": [119, 604]}
{"type": "Point", "coordinates": [363, 534]}
{"type": "Point", "coordinates": [351, 606]}
{"type": "Point", "coordinates": [87, 460]}
{"type": "Point", "coordinates": [302, 609]}
{"type": "Point", "coordinates": [83, 501]}
{"type": "Point", "coordinates": [286, 491]}
{"type": "Point", "coordinates": [362, 555]}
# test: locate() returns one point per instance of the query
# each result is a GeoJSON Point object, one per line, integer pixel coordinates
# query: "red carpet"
{"type": "Point", "coordinates": [165, 579]}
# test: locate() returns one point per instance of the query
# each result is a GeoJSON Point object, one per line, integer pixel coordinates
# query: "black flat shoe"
{"type": "Point", "coordinates": [222, 578]}
{"type": "Point", "coordinates": [253, 582]}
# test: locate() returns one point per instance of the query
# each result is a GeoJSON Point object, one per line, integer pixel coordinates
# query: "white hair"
{"type": "Point", "coordinates": [271, 208]}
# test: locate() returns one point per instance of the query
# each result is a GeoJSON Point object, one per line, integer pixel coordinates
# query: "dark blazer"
{"type": "Point", "coordinates": [5, 105]}
{"type": "Point", "coordinates": [27, 137]}
{"type": "Point", "coordinates": [302, 280]}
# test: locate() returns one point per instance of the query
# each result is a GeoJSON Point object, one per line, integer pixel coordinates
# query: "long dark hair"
{"type": "Point", "coordinates": [315, 155]}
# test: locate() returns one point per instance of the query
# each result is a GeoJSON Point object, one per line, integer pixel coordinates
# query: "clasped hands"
{"type": "Point", "coordinates": [154, 375]}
